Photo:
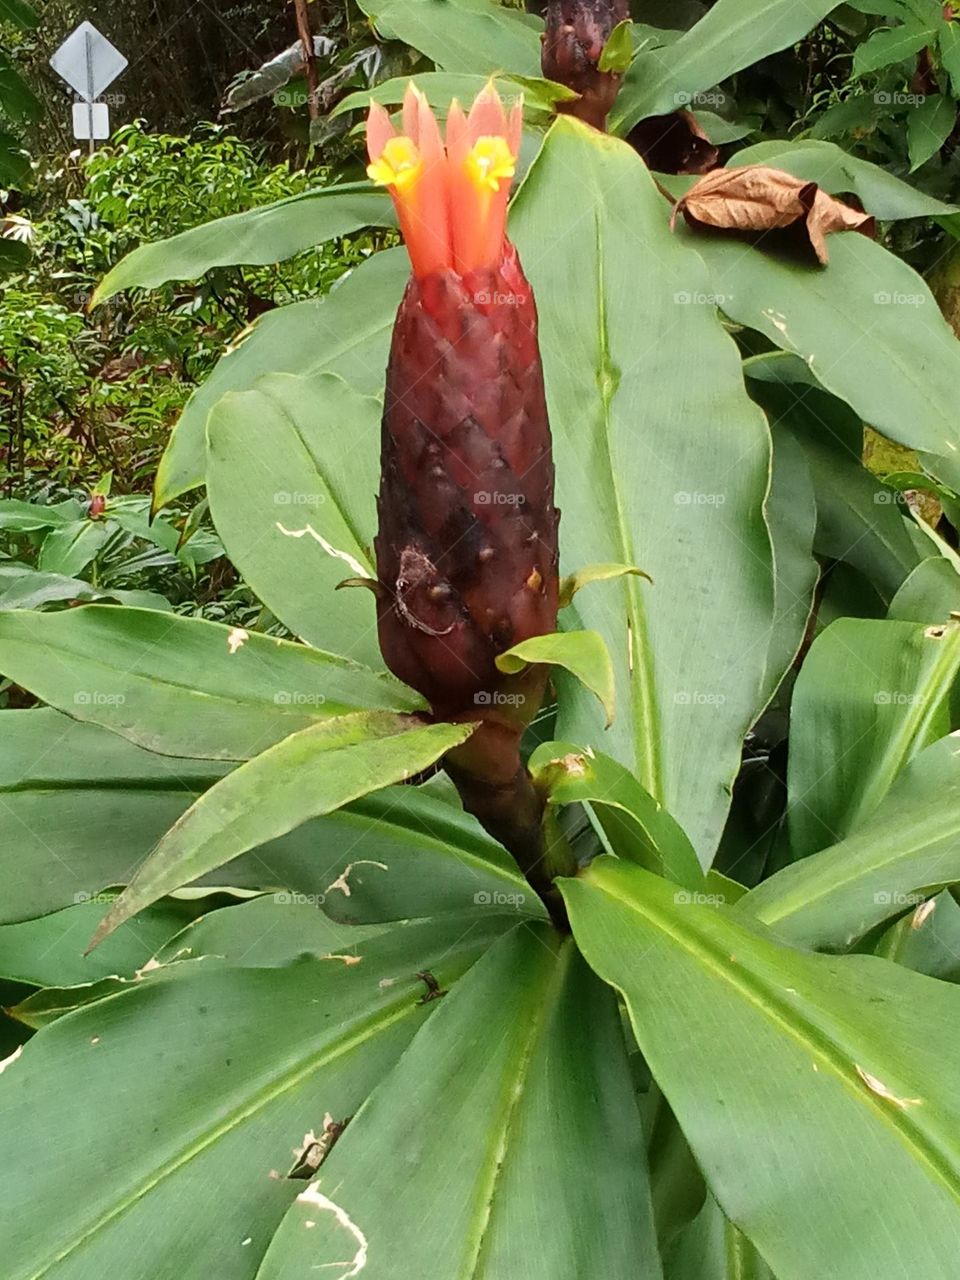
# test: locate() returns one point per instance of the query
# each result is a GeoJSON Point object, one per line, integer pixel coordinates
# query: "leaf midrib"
{"type": "Point", "coordinates": [758, 993]}
{"type": "Point", "coordinates": [320, 659]}
{"type": "Point", "coordinates": [369, 1027]}
{"type": "Point", "coordinates": [514, 1085]}
{"type": "Point", "coordinates": [645, 711]}
{"type": "Point", "coordinates": [901, 746]}
{"type": "Point", "coordinates": [903, 854]}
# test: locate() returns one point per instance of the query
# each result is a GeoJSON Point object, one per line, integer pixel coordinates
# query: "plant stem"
{"type": "Point", "coordinates": [512, 811]}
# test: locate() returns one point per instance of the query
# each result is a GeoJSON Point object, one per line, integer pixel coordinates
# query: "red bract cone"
{"type": "Point", "coordinates": [467, 545]}
{"type": "Point", "coordinates": [576, 32]}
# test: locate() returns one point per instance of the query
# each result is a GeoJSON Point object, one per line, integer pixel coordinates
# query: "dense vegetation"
{"type": "Point", "coordinates": [331, 1025]}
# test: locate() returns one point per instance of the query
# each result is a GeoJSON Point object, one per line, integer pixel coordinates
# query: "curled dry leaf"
{"type": "Point", "coordinates": [756, 198]}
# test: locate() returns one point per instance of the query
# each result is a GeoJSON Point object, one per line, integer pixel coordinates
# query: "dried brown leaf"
{"type": "Point", "coordinates": [756, 198]}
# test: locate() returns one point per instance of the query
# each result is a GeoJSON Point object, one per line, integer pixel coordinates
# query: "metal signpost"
{"type": "Point", "coordinates": [89, 63]}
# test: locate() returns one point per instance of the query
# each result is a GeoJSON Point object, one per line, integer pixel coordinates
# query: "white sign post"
{"type": "Point", "coordinates": [89, 63]}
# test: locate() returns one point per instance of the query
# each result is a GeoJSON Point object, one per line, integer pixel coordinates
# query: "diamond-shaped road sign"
{"type": "Point", "coordinates": [88, 61]}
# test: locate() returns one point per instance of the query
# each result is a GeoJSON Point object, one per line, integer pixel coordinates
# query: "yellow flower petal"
{"type": "Point", "coordinates": [489, 160]}
{"type": "Point", "coordinates": [398, 165]}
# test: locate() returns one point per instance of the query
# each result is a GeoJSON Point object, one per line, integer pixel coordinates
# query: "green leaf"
{"type": "Point", "coordinates": [132, 514]}
{"type": "Point", "coordinates": [905, 852]}
{"type": "Point", "coordinates": [890, 45]}
{"type": "Point", "coordinates": [292, 476]}
{"type": "Point", "coordinates": [347, 332]}
{"type": "Point", "coordinates": [855, 116]}
{"type": "Point", "coordinates": [930, 594]}
{"type": "Point", "coordinates": [838, 172]}
{"type": "Point", "coordinates": [858, 520]}
{"type": "Point", "coordinates": [270, 233]}
{"type": "Point", "coordinates": [70, 549]}
{"type": "Point", "coordinates": [866, 325]}
{"type": "Point", "coordinates": [869, 696]}
{"type": "Point", "coordinates": [14, 170]}
{"type": "Point", "coordinates": [42, 1007]}
{"type": "Point", "coordinates": [63, 787]}
{"type": "Point", "coordinates": [396, 854]}
{"type": "Point", "coordinates": [636, 826]}
{"type": "Point", "coordinates": [617, 53]}
{"type": "Point", "coordinates": [927, 939]}
{"type": "Point", "coordinates": [797, 1049]}
{"type": "Point", "coordinates": [574, 582]}
{"type": "Point", "coordinates": [635, 459]}
{"type": "Point", "coordinates": [48, 952]}
{"type": "Point", "coordinates": [948, 39]}
{"type": "Point", "coordinates": [720, 131]}
{"type": "Point", "coordinates": [17, 99]}
{"type": "Point", "coordinates": [23, 588]}
{"type": "Point", "coordinates": [583, 653]}
{"type": "Point", "coordinates": [308, 774]}
{"type": "Point", "coordinates": [711, 1248]}
{"type": "Point", "coordinates": [441, 87]}
{"type": "Point", "coordinates": [732, 35]}
{"type": "Point", "coordinates": [13, 255]}
{"type": "Point", "coordinates": [904, 481]}
{"type": "Point", "coordinates": [928, 126]}
{"type": "Point", "coordinates": [81, 807]}
{"type": "Point", "coordinates": [179, 1103]}
{"type": "Point", "coordinates": [265, 933]}
{"type": "Point", "coordinates": [28, 517]}
{"type": "Point", "coordinates": [471, 1108]}
{"type": "Point", "coordinates": [181, 686]}
{"type": "Point", "coordinates": [19, 14]}
{"type": "Point", "coordinates": [462, 35]}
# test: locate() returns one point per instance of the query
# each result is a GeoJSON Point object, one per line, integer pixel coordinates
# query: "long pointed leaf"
{"type": "Point", "coordinates": [462, 35]}
{"type": "Point", "coordinates": [80, 808]}
{"type": "Point", "coordinates": [182, 686]}
{"type": "Point", "coordinates": [308, 774]}
{"type": "Point", "coordinates": [179, 1104]}
{"type": "Point", "coordinates": [869, 696]}
{"type": "Point", "coordinates": [346, 332]}
{"type": "Point", "coordinates": [655, 469]}
{"type": "Point", "coordinates": [904, 853]}
{"type": "Point", "coordinates": [506, 1143]}
{"type": "Point", "coordinates": [732, 35]}
{"type": "Point", "coordinates": [816, 1092]}
{"type": "Point", "coordinates": [292, 474]}
{"type": "Point", "coordinates": [866, 325]}
{"type": "Point", "coordinates": [270, 233]}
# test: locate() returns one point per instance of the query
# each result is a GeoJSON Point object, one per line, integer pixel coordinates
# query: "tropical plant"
{"type": "Point", "coordinates": [18, 106]}
{"type": "Point", "coordinates": [723, 1042]}
{"type": "Point", "coordinates": [106, 548]}
{"type": "Point", "coordinates": [80, 393]}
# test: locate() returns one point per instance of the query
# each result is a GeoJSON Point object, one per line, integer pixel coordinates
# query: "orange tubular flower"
{"type": "Point", "coordinates": [413, 166]}
{"type": "Point", "coordinates": [467, 543]}
{"type": "Point", "coordinates": [451, 202]}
